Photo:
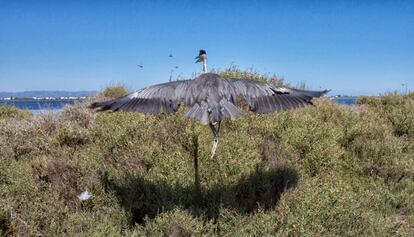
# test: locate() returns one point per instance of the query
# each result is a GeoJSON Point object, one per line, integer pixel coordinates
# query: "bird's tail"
{"type": "Point", "coordinates": [230, 110]}
{"type": "Point", "coordinates": [199, 112]}
{"type": "Point", "coordinates": [213, 114]}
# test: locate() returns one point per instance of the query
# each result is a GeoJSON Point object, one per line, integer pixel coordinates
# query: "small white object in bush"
{"type": "Point", "coordinates": [84, 196]}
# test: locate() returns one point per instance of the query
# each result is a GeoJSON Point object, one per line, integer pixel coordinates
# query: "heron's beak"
{"type": "Point", "coordinates": [198, 59]}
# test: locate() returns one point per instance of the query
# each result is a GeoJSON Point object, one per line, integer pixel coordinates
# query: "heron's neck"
{"type": "Point", "coordinates": [205, 70]}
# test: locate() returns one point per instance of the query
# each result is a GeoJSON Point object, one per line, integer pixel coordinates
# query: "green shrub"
{"type": "Point", "coordinates": [174, 223]}
{"type": "Point", "coordinates": [114, 91]}
{"type": "Point", "coordinates": [329, 205]}
{"type": "Point", "coordinates": [323, 170]}
{"type": "Point", "coordinates": [72, 135]}
{"type": "Point", "coordinates": [21, 138]}
{"type": "Point", "coordinates": [398, 109]}
{"type": "Point", "coordinates": [7, 112]}
{"type": "Point", "coordinates": [235, 72]}
{"type": "Point", "coordinates": [80, 114]}
{"type": "Point", "coordinates": [315, 141]}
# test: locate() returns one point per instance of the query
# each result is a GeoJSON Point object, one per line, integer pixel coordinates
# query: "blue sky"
{"type": "Point", "coordinates": [352, 47]}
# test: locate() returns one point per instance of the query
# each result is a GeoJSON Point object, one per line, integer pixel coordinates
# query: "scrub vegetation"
{"type": "Point", "coordinates": [323, 170]}
{"type": "Point", "coordinates": [7, 112]}
{"type": "Point", "coordinates": [113, 91]}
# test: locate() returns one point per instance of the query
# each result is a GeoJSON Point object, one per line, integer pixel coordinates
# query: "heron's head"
{"type": "Point", "coordinates": [202, 56]}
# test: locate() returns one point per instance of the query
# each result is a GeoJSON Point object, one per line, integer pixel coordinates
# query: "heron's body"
{"type": "Point", "coordinates": [216, 94]}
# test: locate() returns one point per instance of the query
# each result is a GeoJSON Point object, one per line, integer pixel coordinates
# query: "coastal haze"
{"type": "Point", "coordinates": [47, 94]}
{"type": "Point", "coordinates": [44, 101]}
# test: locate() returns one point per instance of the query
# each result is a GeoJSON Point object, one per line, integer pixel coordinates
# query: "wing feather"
{"type": "Point", "coordinates": [266, 98]}
{"type": "Point", "coordinates": [166, 97]}
{"type": "Point", "coordinates": [161, 98]}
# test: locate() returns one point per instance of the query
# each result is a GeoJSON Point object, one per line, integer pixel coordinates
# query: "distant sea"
{"type": "Point", "coordinates": [43, 106]}
{"type": "Point", "coordinates": [40, 106]}
{"type": "Point", "coordinates": [345, 100]}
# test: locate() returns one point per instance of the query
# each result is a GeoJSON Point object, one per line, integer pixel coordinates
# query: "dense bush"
{"type": "Point", "coordinates": [7, 112]}
{"type": "Point", "coordinates": [397, 109]}
{"type": "Point", "coordinates": [235, 72]}
{"type": "Point", "coordinates": [323, 170]}
{"type": "Point", "coordinates": [114, 91]}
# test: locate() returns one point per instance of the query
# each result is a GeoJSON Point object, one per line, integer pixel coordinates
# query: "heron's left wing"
{"type": "Point", "coordinates": [266, 98]}
{"type": "Point", "coordinates": [156, 99]}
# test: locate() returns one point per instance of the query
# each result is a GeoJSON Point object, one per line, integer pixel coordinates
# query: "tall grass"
{"type": "Point", "coordinates": [323, 170]}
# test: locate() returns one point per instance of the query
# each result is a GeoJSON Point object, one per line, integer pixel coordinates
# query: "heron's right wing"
{"type": "Point", "coordinates": [156, 99]}
{"type": "Point", "coordinates": [266, 98]}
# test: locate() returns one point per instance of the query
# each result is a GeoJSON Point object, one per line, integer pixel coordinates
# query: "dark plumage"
{"type": "Point", "coordinates": [211, 97]}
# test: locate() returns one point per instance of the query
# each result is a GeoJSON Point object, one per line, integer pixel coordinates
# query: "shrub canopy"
{"type": "Point", "coordinates": [323, 170]}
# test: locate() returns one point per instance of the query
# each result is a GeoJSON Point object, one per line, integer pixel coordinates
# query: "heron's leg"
{"type": "Point", "coordinates": [216, 133]}
{"type": "Point", "coordinates": [215, 140]}
{"type": "Point", "coordinates": [218, 128]}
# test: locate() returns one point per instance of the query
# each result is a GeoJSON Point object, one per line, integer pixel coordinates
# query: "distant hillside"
{"type": "Point", "coordinates": [27, 94]}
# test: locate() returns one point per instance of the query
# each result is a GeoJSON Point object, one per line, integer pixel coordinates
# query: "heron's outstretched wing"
{"type": "Point", "coordinates": [156, 99]}
{"type": "Point", "coordinates": [266, 98]}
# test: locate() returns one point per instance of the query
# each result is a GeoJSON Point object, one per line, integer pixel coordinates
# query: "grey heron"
{"type": "Point", "coordinates": [210, 98]}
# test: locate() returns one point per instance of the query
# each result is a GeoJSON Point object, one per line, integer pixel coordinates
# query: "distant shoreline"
{"type": "Point", "coordinates": [54, 99]}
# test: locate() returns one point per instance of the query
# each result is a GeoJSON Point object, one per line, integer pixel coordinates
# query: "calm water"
{"type": "Point", "coordinates": [40, 106]}
{"type": "Point", "coordinates": [345, 100]}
